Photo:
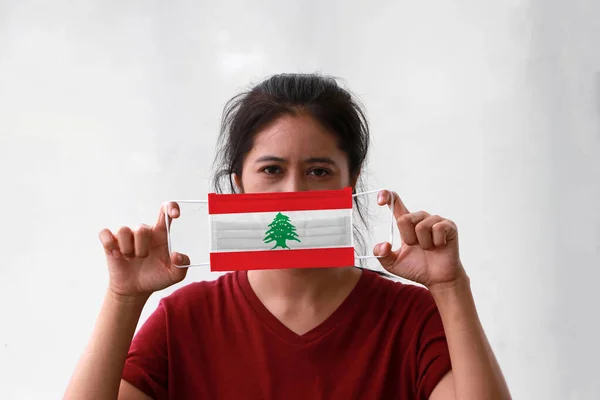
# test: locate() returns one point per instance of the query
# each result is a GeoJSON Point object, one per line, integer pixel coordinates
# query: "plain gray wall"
{"type": "Point", "coordinates": [487, 113]}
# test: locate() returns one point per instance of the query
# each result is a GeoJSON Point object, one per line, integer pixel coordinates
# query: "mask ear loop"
{"type": "Point", "coordinates": [391, 221]}
{"type": "Point", "coordinates": [167, 219]}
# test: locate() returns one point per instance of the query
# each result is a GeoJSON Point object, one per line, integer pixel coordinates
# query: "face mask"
{"type": "Point", "coordinates": [280, 230]}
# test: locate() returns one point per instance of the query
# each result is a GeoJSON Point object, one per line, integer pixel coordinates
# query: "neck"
{"type": "Point", "coordinates": [302, 285]}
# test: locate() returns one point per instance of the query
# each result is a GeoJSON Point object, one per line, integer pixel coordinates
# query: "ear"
{"type": "Point", "coordinates": [354, 181]}
{"type": "Point", "coordinates": [238, 182]}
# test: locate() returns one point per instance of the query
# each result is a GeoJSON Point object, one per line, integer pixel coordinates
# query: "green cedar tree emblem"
{"type": "Point", "coordinates": [280, 230]}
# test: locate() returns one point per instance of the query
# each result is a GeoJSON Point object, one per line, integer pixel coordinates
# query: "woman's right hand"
{"type": "Point", "coordinates": [139, 262]}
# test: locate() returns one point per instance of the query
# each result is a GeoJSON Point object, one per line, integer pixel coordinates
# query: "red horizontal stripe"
{"type": "Point", "coordinates": [279, 201]}
{"type": "Point", "coordinates": [282, 259]}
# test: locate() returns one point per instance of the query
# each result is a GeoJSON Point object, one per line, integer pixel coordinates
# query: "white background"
{"type": "Point", "coordinates": [486, 112]}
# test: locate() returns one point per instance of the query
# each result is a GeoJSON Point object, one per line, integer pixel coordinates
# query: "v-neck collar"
{"type": "Point", "coordinates": [343, 311]}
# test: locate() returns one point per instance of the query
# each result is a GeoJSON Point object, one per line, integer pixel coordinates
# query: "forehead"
{"type": "Point", "coordinates": [291, 135]}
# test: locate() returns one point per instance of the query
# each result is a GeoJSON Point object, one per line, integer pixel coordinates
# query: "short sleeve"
{"type": "Point", "coordinates": [146, 366]}
{"type": "Point", "coordinates": [431, 355]}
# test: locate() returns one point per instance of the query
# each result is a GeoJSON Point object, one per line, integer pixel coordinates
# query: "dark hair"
{"type": "Point", "coordinates": [319, 96]}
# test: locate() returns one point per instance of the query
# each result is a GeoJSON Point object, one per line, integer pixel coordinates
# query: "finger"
{"type": "Point", "coordinates": [386, 196]}
{"type": "Point", "coordinates": [443, 232]}
{"type": "Point", "coordinates": [173, 212]}
{"type": "Point", "coordinates": [125, 239]}
{"type": "Point", "coordinates": [407, 224]}
{"type": "Point", "coordinates": [424, 231]}
{"type": "Point", "coordinates": [141, 238]}
{"type": "Point", "coordinates": [180, 259]}
{"type": "Point", "coordinates": [384, 251]}
{"type": "Point", "coordinates": [110, 244]}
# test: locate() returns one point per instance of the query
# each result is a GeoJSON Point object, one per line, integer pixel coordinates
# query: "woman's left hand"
{"type": "Point", "coordinates": [429, 253]}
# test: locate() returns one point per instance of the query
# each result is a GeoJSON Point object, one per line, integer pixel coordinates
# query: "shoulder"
{"type": "Point", "coordinates": [407, 310]}
{"type": "Point", "coordinates": [397, 297]}
{"type": "Point", "coordinates": [401, 290]}
{"type": "Point", "coordinates": [201, 293]}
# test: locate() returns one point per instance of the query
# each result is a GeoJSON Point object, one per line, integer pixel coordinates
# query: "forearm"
{"type": "Point", "coordinates": [477, 374]}
{"type": "Point", "coordinates": [98, 372]}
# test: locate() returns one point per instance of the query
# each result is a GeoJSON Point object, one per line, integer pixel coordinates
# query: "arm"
{"type": "Point", "coordinates": [98, 373]}
{"type": "Point", "coordinates": [475, 370]}
{"type": "Point", "coordinates": [139, 264]}
{"type": "Point", "coordinates": [430, 256]}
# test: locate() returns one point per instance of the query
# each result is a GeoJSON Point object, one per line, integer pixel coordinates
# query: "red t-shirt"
{"type": "Point", "coordinates": [216, 340]}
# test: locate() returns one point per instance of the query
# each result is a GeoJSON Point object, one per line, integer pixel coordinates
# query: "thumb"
{"type": "Point", "coordinates": [178, 266]}
{"type": "Point", "coordinates": [179, 260]}
{"type": "Point", "coordinates": [386, 256]}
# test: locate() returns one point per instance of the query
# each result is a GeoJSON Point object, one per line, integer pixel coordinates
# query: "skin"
{"type": "Point", "coordinates": [294, 153]}
{"type": "Point", "coordinates": [297, 154]}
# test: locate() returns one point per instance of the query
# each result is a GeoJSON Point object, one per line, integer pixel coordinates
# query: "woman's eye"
{"type": "Point", "coordinates": [320, 172]}
{"type": "Point", "coordinates": [271, 170]}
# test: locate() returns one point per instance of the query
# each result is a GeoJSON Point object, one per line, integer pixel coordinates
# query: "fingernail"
{"type": "Point", "coordinates": [179, 259]}
{"type": "Point", "coordinates": [380, 197]}
{"type": "Point", "coordinates": [115, 253]}
{"type": "Point", "coordinates": [381, 246]}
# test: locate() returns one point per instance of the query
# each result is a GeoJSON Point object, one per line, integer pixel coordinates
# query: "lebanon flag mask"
{"type": "Point", "coordinates": [280, 230]}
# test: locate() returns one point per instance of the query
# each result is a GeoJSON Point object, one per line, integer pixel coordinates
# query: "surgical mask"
{"type": "Point", "coordinates": [280, 230]}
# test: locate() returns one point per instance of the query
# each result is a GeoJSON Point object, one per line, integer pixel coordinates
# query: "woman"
{"type": "Point", "coordinates": [330, 333]}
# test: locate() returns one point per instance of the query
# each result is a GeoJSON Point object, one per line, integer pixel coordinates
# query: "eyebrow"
{"type": "Point", "coordinates": [322, 160]}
